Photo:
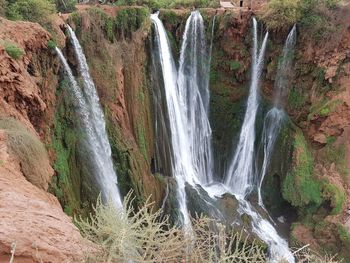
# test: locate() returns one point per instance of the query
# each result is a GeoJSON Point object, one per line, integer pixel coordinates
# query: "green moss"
{"type": "Point", "coordinates": [344, 235]}
{"type": "Point", "coordinates": [51, 44]}
{"type": "Point", "coordinates": [300, 188]}
{"type": "Point", "coordinates": [323, 108]}
{"type": "Point", "coordinates": [296, 99]}
{"type": "Point", "coordinates": [335, 195]}
{"type": "Point", "coordinates": [109, 28]}
{"type": "Point", "coordinates": [13, 50]}
{"type": "Point", "coordinates": [66, 185]}
{"type": "Point", "coordinates": [235, 65]}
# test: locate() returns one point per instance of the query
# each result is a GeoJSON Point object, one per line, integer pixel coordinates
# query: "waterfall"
{"type": "Point", "coordinates": [187, 102]}
{"type": "Point", "coordinates": [275, 117]}
{"type": "Point", "coordinates": [193, 89]}
{"type": "Point", "coordinates": [181, 161]}
{"type": "Point", "coordinates": [95, 139]}
{"type": "Point", "coordinates": [240, 175]}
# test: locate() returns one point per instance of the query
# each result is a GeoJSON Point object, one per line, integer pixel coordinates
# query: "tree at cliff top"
{"type": "Point", "coordinates": [279, 14]}
{"type": "Point", "coordinates": [31, 10]}
{"type": "Point", "coordinates": [171, 3]}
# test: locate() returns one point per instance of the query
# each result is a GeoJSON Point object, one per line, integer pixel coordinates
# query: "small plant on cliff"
{"type": "Point", "coordinates": [13, 51]}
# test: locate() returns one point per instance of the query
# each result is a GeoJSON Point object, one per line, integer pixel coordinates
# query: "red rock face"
{"type": "Point", "coordinates": [30, 217]}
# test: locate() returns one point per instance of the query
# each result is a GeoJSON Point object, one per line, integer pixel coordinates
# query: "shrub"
{"type": "Point", "coordinates": [65, 6]}
{"type": "Point", "coordinates": [300, 188]}
{"type": "Point", "coordinates": [51, 44]}
{"type": "Point", "coordinates": [13, 51]}
{"type": "Point", "coordinates": [170, 3]}
{"type": "Point", "coordinates": [312, 14]}
{"type": "Point", "coordinates": [144, 236]}
{"type": "Point", "coordinates": [3, 5]}
{"type": "Point", "coordinates": [31, 10]}
{"type": "Point", "coordinates": [29, 151]}
{"type": "Point", "coordinates": [281, 13]}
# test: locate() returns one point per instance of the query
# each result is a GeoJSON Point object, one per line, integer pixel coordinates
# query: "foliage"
{"type": "Point", "coordinates": [306, 255]}
{"type": "Point", "coordinates": [336, 197]}
{"type": "Point", "coordinates": [300, 188]}
{"type": "Point", "coordinates": [66, 6]}
{"type": "Point", "coordinates": [3, 6]}
{"type": "Point", "coordinates": [235, 65]}
{"type": "Point", "coordinates": [144, 236]}
{"type": "Point", "coordinates": [170, 3]}
{"type": "Point", "coordinates": [13, 51]}
{"type": "Point", "coordinates": [51, 44]}
{"type": "Point", "coordinates": [312, 14]}
{"type": "Point", "coordinates": [130, 19]}
{"type": "Point", "coordinates": [281, 13]}
{"type": "Point", "coordinates": [344, 235]}
{"type": "Point", "coordinates": [296, 99]}
{"type": "Point", "coordinates": [31, 10]}
{"type": "Point", "coordinates": [323, 108]}
{"type": "Point", "coordinates": [336, 154]}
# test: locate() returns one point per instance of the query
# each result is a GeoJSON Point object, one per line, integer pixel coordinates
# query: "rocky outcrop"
{"type": "Point", "coordinates": [32, 219]}
{"type": "Point", "coordinates": [32, 222]}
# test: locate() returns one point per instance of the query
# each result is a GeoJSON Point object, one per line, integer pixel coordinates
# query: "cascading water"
{"type": "Point", "coordinates": [239, 178]}
{"type": "Point", "coordinates": [187, 101]}
{"type": "Point", "coordinates": [95, 139]}
{"type": "Point", "coordinates": [275, 117]}
{"type": "Point", "coordinates": [181, 163]}
{"type": "Point", "coordinates": [193, 81]}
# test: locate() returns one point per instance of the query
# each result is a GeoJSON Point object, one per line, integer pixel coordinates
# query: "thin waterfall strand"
{"type": "Point", "coordinates": [275, 117]}
{"type": "Point", "coordinates": [239, 177]}
{"type": "Point", "coordinates": [104, 171]}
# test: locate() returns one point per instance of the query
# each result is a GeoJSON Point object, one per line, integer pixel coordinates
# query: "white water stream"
{"type": "Point", "coordinates": [92, 119]}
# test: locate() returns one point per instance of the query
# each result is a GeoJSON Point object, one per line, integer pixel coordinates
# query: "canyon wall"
{"type": "Point", "coordinates": [309, 173]}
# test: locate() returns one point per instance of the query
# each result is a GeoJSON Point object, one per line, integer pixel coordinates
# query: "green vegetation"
{"type": "Point", "coordinates": [3, 5]}
{"type": "Point", "coordinates": [31, 10]}
{"type": "Point", "coordinates": [281, 13]}
{"type": "Point", "coordinates": [68, 183]}
{"type": "Point", "coordinates": [296, 99]}
{"type": "Point", "coordinates": [65, 6]}
{"type": "Point", "coordinates": [130, 19]}
{"type": "Point", "coordinates": [335, 195]}
{"type": "Point", "coordinates": [29, 151]}
{"type": "Point", "coordinates": [336, 154]}
{"type": "Point", "coordinates": [323, 108]}
{"type": "Point", "coordinates": [312, 15]}
{"type": "Point", "coordinates": [51, 44]}
{"type": "Point", "coordinates": [146, 236]}
{"type": "Point", "coordinates": [13, 50]}
{"type": "Point", "coordinates": [235, 65]}
{"type": "Point", "coordinates": [300, 188]}
{"type": "Point", "coordinates": [344, 235]}
{"type": "Point", "coordinates": [170, 3]}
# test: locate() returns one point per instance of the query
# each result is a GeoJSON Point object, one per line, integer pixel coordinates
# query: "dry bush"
{"type": "Point", "coordinates": [214, 242]}
{"type": "Point", "coordinates": [29, 151]}
{"type": "Point", "coordinates": [130, 235]}
{"type": "Point", "coordinates": [307, 255]}
{"type": "Point", "coordinates": [145, 236]}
